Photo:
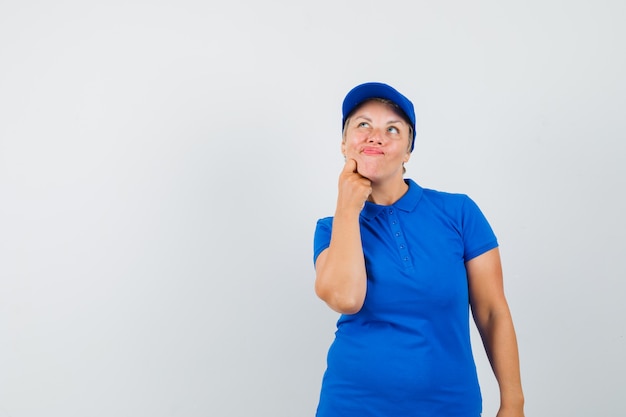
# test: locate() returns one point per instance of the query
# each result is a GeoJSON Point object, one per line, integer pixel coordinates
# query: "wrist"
{"type": "Point", "coordinates": [512, 401]}
{"type": "Point", "coordinates": [347, 213]}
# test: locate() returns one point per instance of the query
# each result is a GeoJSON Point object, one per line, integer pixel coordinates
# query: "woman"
{"type": "Point", "coordinates": [403, 265]}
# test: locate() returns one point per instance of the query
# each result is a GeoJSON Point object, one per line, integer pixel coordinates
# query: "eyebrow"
{"type": "Point", "coordinates": [389, 122]}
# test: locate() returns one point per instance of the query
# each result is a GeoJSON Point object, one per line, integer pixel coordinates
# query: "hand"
{"type": "Point", "coordinates": [354, 188]}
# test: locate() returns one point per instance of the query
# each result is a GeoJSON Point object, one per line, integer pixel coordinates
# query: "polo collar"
{"type": "Point", "coordinates": [407, 202]}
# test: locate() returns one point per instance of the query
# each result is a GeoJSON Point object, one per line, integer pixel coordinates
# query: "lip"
{"type": "Point", "coordinates": [370, 150]}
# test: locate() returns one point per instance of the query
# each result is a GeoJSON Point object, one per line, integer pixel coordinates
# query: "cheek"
{"type": "Point", "coordinates": [348, 145]}
{"type": "Point", "coordinates": [351, 149]}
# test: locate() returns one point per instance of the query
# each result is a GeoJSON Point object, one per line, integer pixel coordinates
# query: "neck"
{"type": "Point", "coordinates": [387, 194]}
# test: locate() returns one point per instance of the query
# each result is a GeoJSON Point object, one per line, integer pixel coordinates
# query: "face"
{"type": "Point", "coordinates": [377, 138]}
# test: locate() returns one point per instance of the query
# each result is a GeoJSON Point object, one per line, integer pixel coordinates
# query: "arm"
{"type": "Point", "coordinates": [341, 280]}
{"type": "Point", "coordinates": [495, 325]}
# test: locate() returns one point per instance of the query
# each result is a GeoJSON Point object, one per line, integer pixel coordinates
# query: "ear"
{"type": "Point", "coordinates": [407, 156]}
{"type": "Point", "coordinates": [343, 148]}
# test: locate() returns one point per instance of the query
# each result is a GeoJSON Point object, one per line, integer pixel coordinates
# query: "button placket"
{"type": "Point", "coordinates": [396, 231]}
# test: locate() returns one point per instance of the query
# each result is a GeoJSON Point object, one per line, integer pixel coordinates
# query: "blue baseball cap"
{"type": "Point", "coordinates": [367, 91]}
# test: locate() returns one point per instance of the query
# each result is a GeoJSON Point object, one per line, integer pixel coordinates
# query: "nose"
{"type": "Point", "coordinates": [375, 137]}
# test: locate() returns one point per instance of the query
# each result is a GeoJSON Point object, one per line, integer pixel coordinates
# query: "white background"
{"type": "Point", "coordinates": [163, 163]}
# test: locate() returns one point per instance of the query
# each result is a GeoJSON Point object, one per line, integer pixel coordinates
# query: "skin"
{"type": "Point", "coordinates": [377, 139]}
{"type": "Point", "coordinates": [376, 145]}
{"type": "Point", "coordinates": [493, 319]}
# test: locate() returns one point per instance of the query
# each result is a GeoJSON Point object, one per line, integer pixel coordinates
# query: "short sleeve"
{"type": "Point", "coordinates": [478, 236]}
{"type": "Point", "coordinates": [321, 239]}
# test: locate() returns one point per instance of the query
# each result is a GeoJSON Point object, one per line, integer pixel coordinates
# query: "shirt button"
{"type": "Point", "coordinates": [401, 246]}
{"type": "Point", "coordinates": [390, 211]}
{"type": "Point", "coordinates": [406, 258]}
{"type": "Point", "coordinates": [397, 234]}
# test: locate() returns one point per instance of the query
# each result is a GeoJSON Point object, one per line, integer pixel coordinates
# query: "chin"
{"type": "Point", "coordinates": [371, 175]}
{"type": "Point", "coordinates": [367, 172]}
{"type": "Point", "coordinates": [369, 169]}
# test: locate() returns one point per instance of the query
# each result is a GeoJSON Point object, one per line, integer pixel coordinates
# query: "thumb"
{"type": "Point", "coordinates": [350, 165]}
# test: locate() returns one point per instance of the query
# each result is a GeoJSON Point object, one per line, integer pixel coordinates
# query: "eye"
{"type": "Point", "coordinates": [363, 124]}
{"type": "Point", "coordinates": [393, 129]}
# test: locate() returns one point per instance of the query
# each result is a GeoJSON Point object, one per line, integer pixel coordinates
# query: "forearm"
{"type": "Point", "coordinates": [499, 339]}
{"type": "Point", "coordinates": [341, 279]}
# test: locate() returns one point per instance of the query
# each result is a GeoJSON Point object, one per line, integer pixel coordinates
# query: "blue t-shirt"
{"type": "Point", "coordinates": [407, 351]}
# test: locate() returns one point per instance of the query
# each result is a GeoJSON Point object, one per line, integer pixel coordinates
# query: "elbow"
{"type": "Point", "coordinates": [347, 306]}
{"type": "Point", "coordinates": [341, 303]}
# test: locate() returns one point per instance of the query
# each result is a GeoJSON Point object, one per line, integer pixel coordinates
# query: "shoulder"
{"type": "Point", "coordinates": [325, 222]}
{"type": "Point", "coordinates": [324, 227]}
{"type": "Point", "coordinates": [450, 204]}
{"type": "Point", "coordinates": [435, 196]}
{"type": "Point", "coordinates": [447, 201]}
{"type": "Point", "coordinates": [444, 196]}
